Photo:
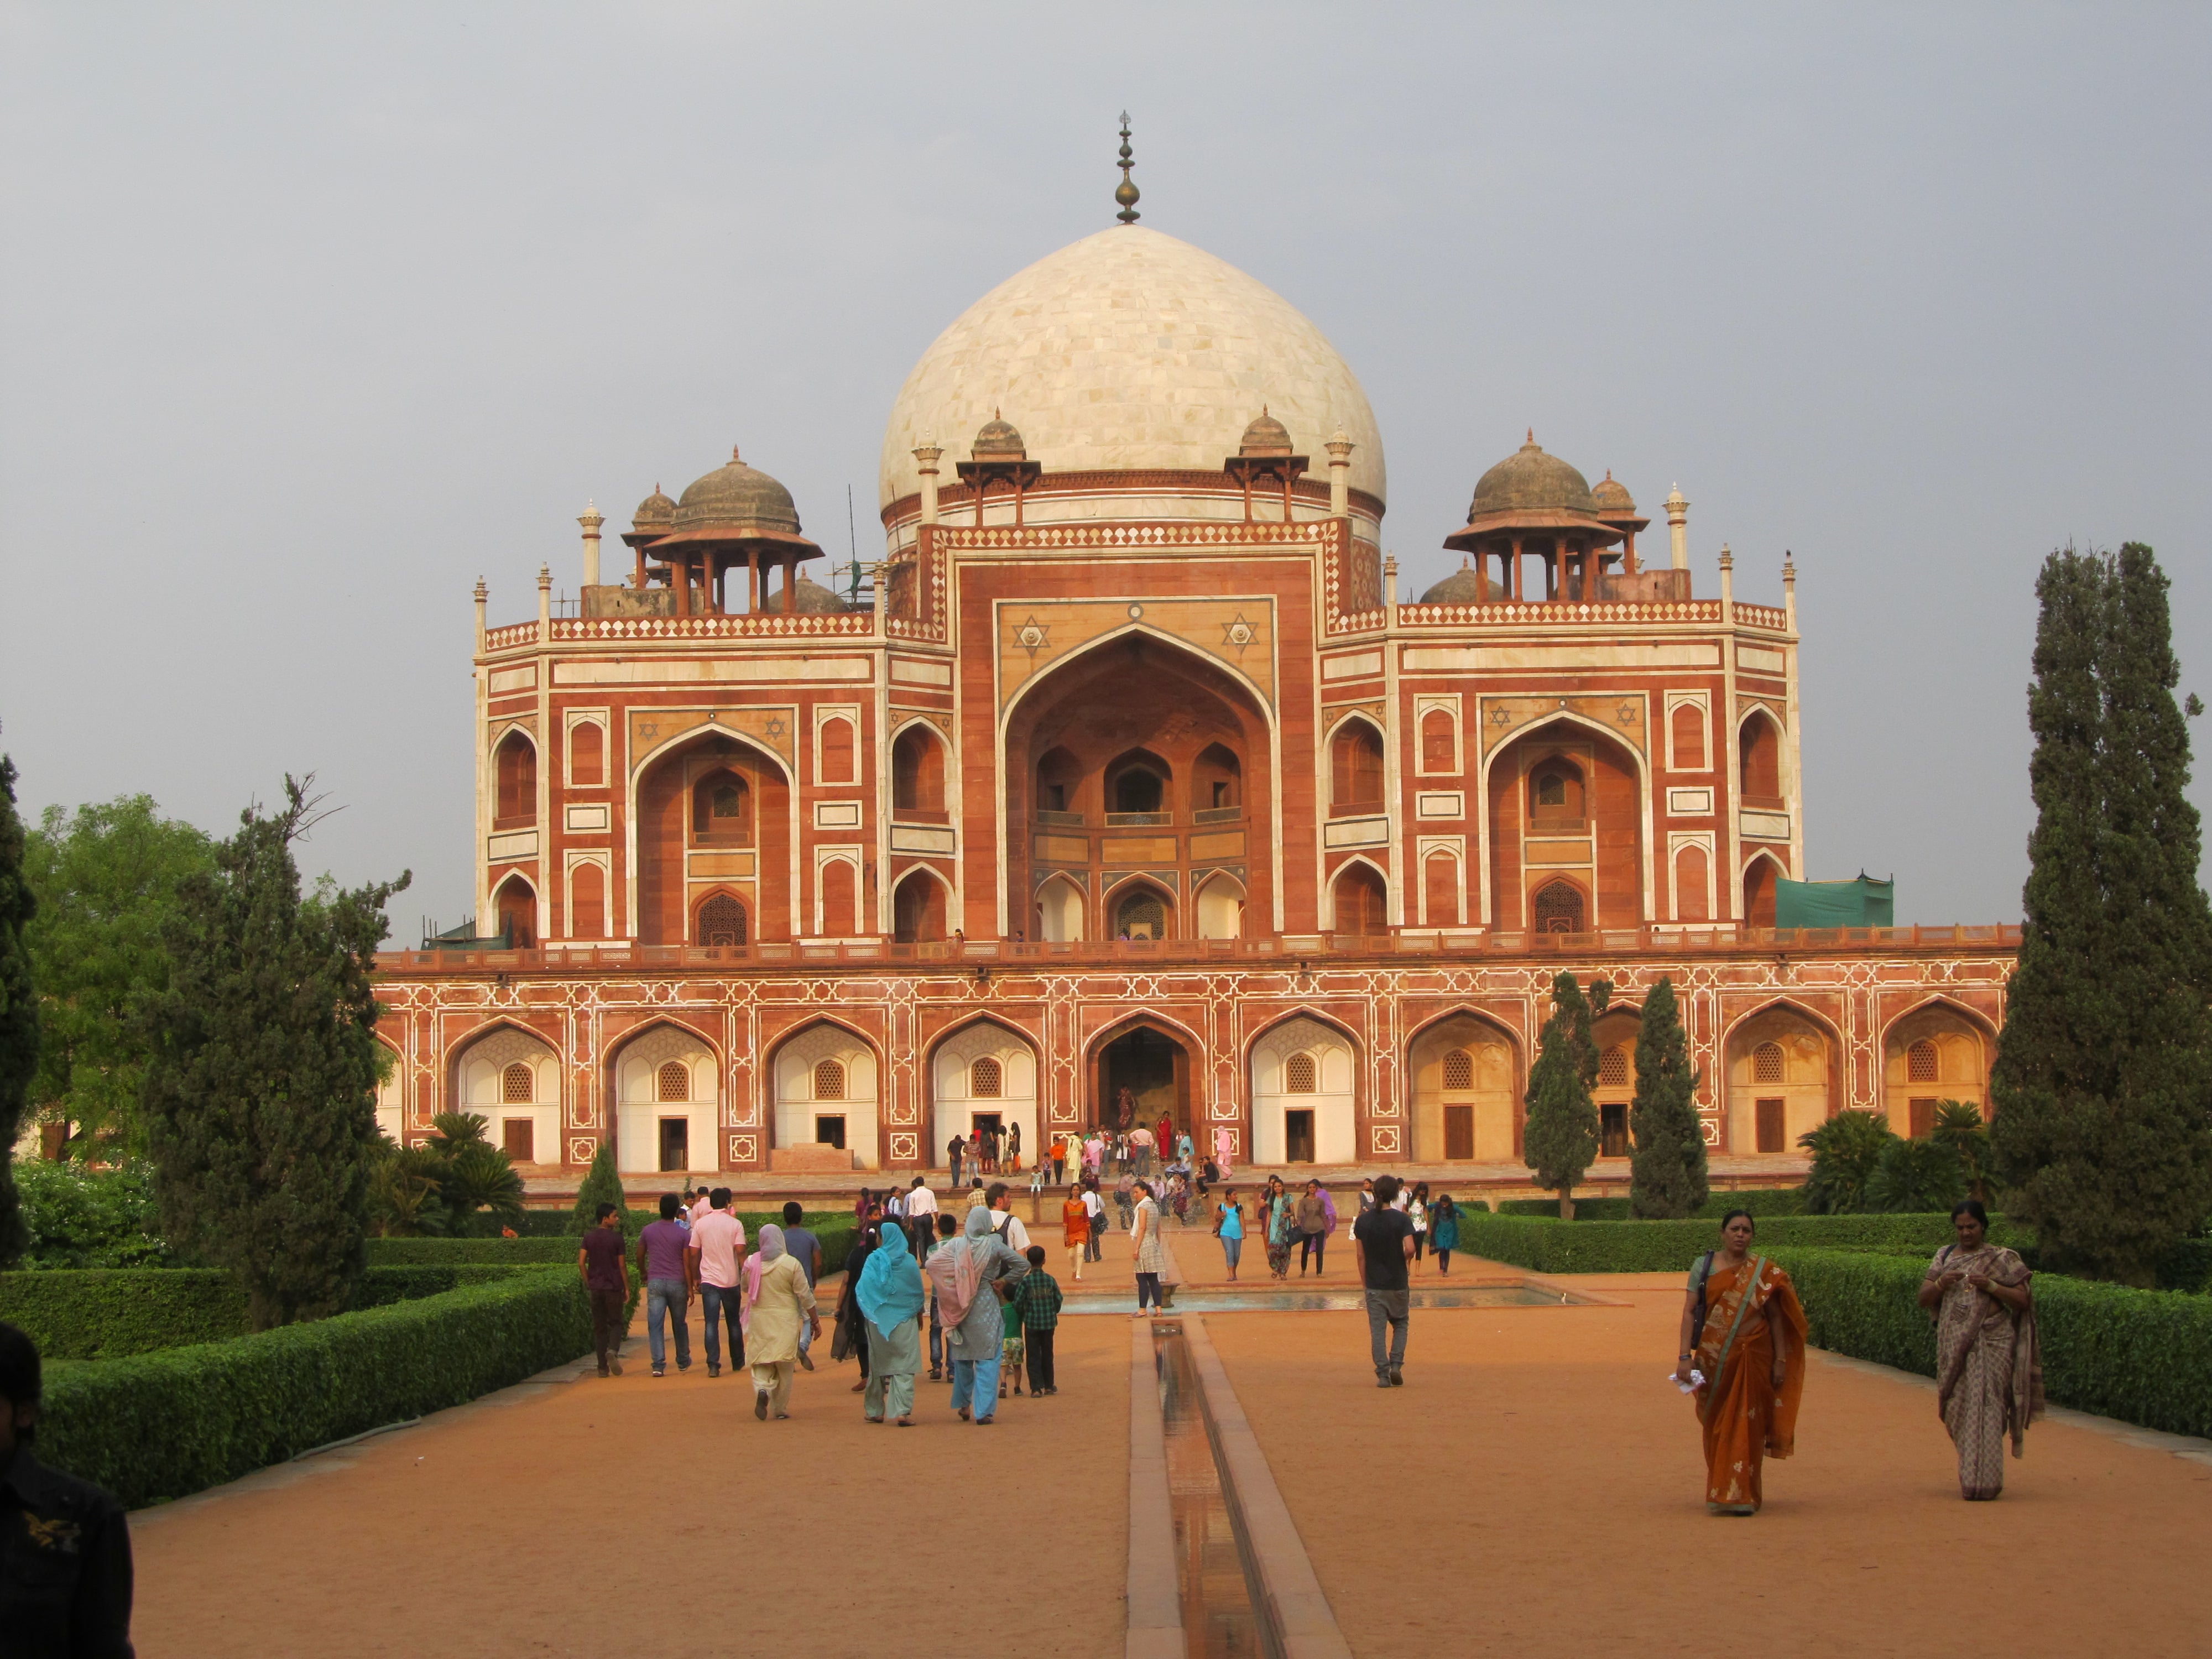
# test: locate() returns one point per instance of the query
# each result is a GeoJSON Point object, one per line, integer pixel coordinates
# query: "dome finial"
{"type": "Point", "coordinates": [1532, 435]}
{"type": "Point", "coordinates": [1126, 192]}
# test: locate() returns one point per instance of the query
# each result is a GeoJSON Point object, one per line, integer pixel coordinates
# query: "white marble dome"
{"type": "Point", "coordinates": [1130, 351]}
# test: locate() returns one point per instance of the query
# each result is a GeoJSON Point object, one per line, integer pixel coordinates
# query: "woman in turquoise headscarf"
{"type": "Point", "coordinates": [891, 1298]}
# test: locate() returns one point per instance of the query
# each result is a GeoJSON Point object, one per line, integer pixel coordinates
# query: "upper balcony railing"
{"type": "Point", "coordinates": [1309, 950]}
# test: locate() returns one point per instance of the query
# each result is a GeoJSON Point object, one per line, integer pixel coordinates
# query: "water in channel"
{"type": "Point", "coordinates": [1218, 1621]}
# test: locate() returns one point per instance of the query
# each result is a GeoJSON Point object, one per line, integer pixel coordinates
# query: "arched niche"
{"type": "Point", "coordinates": [511, 1078]}
{"type": "Point", "coordinates": [1355, 767]}
{"type": "Point", "coordinates": [1058, 912]}
{"type": "Point", "coordinates": [921, 903]}
{"type": "Point", "coordinates": [1566, 802]}
{"type": "Point", "coordinates": [1088, 741]}
{"type": "Point", "coordinates": [826, 1093]}
{"type": "Point", "coordinates": [1781, 1076]}
{"type": "Point", "coordinates": [1937, 1052]}
{"type": "Point", "coordinates": [1359, 899]}
{"type": "Point", "coordinates": [1759, 891]}
{"type": "Point", "coordinates": [965, 1069]}
{"type": "Point", "coordinates": [1758, 761]}
{"type": "Point", "coordinates": [1464, 1079]}
{"type": "Point", "coordinates": [1614, 1035]}
{"type": "Point", "coordinates": [515, 911]}
{"type": "Point", "coordinates": [1219, 907]}
{"type": "Point", "coordinates": [667, 1103]}
{"type": "Point", "coordinates": [1303, 1084]}
{"type": "Point", "coordinates": [1141, 910]}
{"type": "Point", "coordinates": [514, 781]}
{"type": "Point", "coordinates": [729, 802]}
{"type": "Point", "coordinates": [918, 767]}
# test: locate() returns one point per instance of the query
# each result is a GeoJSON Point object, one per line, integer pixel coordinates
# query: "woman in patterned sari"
{"type": "Point", "coordinates": [1989, 1374]}
{"type": "Point", "coordinates": [1744, 1332]}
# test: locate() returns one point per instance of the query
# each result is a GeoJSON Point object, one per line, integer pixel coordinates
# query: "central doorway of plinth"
{"type": "Point", "coordinates": [1144, 1075]}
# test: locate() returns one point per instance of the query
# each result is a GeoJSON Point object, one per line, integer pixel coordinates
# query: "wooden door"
{"type": "Point", "coordinates": [1923, 1119]}
{"type": "Point", "coordinates": [1769, 1126]}
{"type": "Point", "coordinates": [519, 1135]}
{"type": "Point", "coordinates": [1459, 1131]}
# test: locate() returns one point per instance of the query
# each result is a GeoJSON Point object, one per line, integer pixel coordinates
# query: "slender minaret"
{"type": "Point", "coordinates": [926, 457]}
{"type": "Point", "coordinates": [1788, 590]}
{"type": "Point", "coordinates": [1678, 526]}
{"type": "Point", "coordinates": [591, 520]}
{"type": "Point", "coordinates": [544, 601]}
{"type": "Point", "coordinates": [483, 596]}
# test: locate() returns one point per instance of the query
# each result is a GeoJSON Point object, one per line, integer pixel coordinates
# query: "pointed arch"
{"type": "Point", "coordinates": [514, 771]}
{"type": "Point", "coordinates": [921, 763]}
{"type": "Point", "coordinates": [980, 1048]}
{"type": "Point", "coordinates": [1303, 1070]}
{"type": "Point", "coordinates": [1759, 743]}
{"type": "Point", "coordinates": [1755, 889]}
{"type": "Point", "coordinates": [1476, 1114]}
{"type": "Point", "coordinates": [1058, 908]}
{"type": "Point", "coordinates": [1960, 1044]}
{"type": "Point", "coordinates": [652, 1134]}
{"type": "Point", "coordinates": [659, 832]}
{"type": "Point", "coordinates": [1765, 1114]}
{"type": "Point", "coordinates": [1640, 764]}
{"type": "Point", "coordinates": [479, 1067]}
{"type": "Point", "coordinates": [922, 906]}
{"type": "Point", "coordinates": [1139, 907]}
{"type": "Point", "coordinates": [514, 906]}
{"type": "Point", "coordinates": [800, 1062]}
{"type": "Point", "coordinates": [1217, 907]}
{"type": "Point", "coordinates": [1360, 878]}
{"type": "Point", "coordinates": [721, 920]}
{"type": "Point", "coordinates": [1356, 747]}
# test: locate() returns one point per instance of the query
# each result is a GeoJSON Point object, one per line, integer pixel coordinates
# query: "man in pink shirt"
{"type": "Point", "coordinates": [717, 1257]}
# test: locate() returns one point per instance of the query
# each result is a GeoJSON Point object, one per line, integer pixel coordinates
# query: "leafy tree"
{"type": "Point", "coordinates": [260, 1082]}
{"type": "Point", "coordinates": [1561, 1136]}
{"type": "Point", "coordinates": [19, 1010]}
{"type": "Point", "coordinates": [1846, 1152]}
{"type": "Point", "coordinates": [1667, 1170]}
{"type": "Point", "coordinates": [2104, 1068]}
{"type": "Point", "coordinates": [79, 1217]}
{"type": "Point", "coordinates": [1959, 1125]}
{"type": "Point", "coordinates": [1913, 1175]}
{"type": "Point", "coordinates": [107, 879]}
{"type": "Point", "coordinates": [602, 1185]}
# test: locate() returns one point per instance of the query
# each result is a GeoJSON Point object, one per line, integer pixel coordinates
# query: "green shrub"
{"type": "Point", "coordinates": [81, 1219]}
{"type": "Point", "coordinates": [1846, 1152]}
{"type": "Point", "coordinates": [1917, 1175]}
{"type": "Point", "coordinates": [2187, 1265]}
{"type": "Point", "coordinates": [1552, 1246]}
{"type": "Point", "coordinates": [601, 1184]}
{"type": "Point", "coordinates": [1761, 1201]}
{"type": "Point", "coordinates": [161, 1425]}
{"type": "Point", "coordinates": [109, 1314]}
{"type": "Point", "coordinates": [835, 1230]}
{"type": "Point", "coordinates": [2145, 1357]}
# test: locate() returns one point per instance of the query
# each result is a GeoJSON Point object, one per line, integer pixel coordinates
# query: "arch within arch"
{"type": "Point", "coordinates": [1560, 905]}
{"type": "Point", "coordinates": [919, 906]}
{"type": "Point", "coordinates": [1537, 835]}
{"type": "Point", "coordinates": [677, 792]}
{"type": "Point", "coordinates": [653, 1133]}
{"type": "Point", "coordinates": [837, 746]}
{"type": "Point", "coordinates": [805, 1114]}
{"type": "Point", "coordinates": [529, 1127]}
{"type": "Point", "coordinates": [1141, 910]}
{"type": "Point", "coordinates": [1291, 1123]}
{"type": "Point", "coordinates": [841, 899]}
{"type": "Point", "coordinates": [1767, 1113]}
{"type": "Point", "coordinates": [720, 922]}
{"type": "Point", "coordinates": [1059, 910]}
{"type": "Point", "coordinates": [1440, 890]}
{"type": "Point", "coordinates": [588, 901]}
{"type": "Point", "coordinates": [1956, 1047]}
{"type": "Point", "coordinates": [587, 754]}
{"type": "Point", "coordinates": [1693, 884]}
{"type": "Point", "coordinates": [1463, 1076]}
{"type": "Point", "coordinates": [955, 1108]}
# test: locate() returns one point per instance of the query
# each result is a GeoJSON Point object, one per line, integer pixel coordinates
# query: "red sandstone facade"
{"type": "Point", "coordinates": [1144, 777]}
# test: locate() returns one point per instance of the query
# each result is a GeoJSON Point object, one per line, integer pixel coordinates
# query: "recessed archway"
{"type": "Point", "coordinates": [983, 1075]}
{"type": "Point", "coordinates": [1141, 910]}
{"type": "Point", "coordinates": [711, 791]}
{"type": "Point", "coordinates": [920, 904]}
{"type": "Point", "coordinates": [1141, 1072]}
{"type": "Point", "coordinates": [667, 1093]}
{"type": "Point", "coordinates": [1304, 1110]}
{"type": "Point", "coordinates": [1780, 1067]}
{"type": "Point", "coordinates": [511, 1078]}
{"type": "Point", "coordinates": [825, 1079]}
{"type": "Point", "coordinates": [514, 905]}
{"type": "Point", "coordinates": [1566, 801]}
{"type": "Point", "coordinates": [1464, 1073]}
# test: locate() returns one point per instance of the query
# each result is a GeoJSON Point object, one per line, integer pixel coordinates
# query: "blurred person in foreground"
{"type": "Point", "coordinates": [64, 1544]}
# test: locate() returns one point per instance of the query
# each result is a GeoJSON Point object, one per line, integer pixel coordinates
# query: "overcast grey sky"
{"type": "Point", "coordinates": [310, 315]}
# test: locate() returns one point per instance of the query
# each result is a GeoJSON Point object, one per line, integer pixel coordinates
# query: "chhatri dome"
{"type": "Point", "coordinates": [1128, 351]}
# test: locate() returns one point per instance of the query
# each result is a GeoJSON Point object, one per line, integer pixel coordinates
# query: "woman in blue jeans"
{"type": "Point", "coordinates": [1228, 1228]}
{"type": "Point", "coordinates": [967, 1275]}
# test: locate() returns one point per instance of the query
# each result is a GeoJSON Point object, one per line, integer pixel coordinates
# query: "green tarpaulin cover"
{"type": "Point", "coordinates": [1865, 903]}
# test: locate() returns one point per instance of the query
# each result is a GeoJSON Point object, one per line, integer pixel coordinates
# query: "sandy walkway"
{"type": "Point", "coordinates": [657, 1516]}
{"type": "Point", "coordinates": [1537, 1484]}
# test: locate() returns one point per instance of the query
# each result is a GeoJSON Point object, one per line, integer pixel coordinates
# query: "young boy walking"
{"type": "Point", "coordinates": [1010, 1346]}
{"type": "Point", "coordinates": [1038, 1298]}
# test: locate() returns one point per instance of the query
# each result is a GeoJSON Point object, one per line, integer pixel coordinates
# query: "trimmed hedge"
{"type": "Point", "coordinates": [2145, 1357]}
{"type": "Point", "coordinates": [834, 1231]}
{"type": "Point", "coordinates": [111, 1313]}
{"type": "Point", "coordinates": [1761, 1201]}
{"type": "Point", "coordinates": [1552, 1246]}
{"type": "Point", "coordinates": [162, 1425]}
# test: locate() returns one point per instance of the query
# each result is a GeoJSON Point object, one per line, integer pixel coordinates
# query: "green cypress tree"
{"type": "Point", "coordinates": [19, 1011]}
{"type": "Point", "coordinates": [602, 1185]}
{"type": "Point", "coordinates": [261, 1075]}
{"type": "Point", "coordinates": [1560, 1137]}
{"type": "Point", "coordinates": [2104, 1068]}
{"type": "Point", "coordinates": [1667, 1170]}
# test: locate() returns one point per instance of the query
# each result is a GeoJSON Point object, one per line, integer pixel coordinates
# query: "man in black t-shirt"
{"type": "Point", "coordinates": [1382, 1246]}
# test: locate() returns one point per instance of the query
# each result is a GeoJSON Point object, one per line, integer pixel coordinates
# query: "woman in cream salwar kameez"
{"type": "Point", "coordinates": [891, 1297]}
{"type": "Point", "coordinates": [1989, 1373]}
{"type": "Point", "coordinates": [777, 1301]}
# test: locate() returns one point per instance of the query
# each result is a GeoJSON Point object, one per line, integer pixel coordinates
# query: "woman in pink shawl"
{"type": "Point", "coordinates": [1225, 1149]}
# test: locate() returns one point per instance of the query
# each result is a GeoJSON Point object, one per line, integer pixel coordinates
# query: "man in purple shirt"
{"type": "Point", "coordinates": [661, 1264]}
{"type": "Point", "coordinates": [600, 1262]}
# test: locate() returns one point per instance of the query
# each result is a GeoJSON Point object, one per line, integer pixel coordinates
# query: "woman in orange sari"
{"type": "Point", "coordinates": [1743, 1347]}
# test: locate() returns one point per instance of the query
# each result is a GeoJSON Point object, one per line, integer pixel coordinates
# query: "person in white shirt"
{"type": "Point", "coordinates": [1004, 1222]}
{"type": "Point", "coordinates": [922, 1211]}
{"type": "Point", "coordinates": [1097, 1208]}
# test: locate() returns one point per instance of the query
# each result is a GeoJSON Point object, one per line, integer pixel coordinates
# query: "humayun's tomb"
{"type": "Point", "coordinates": [1128, 766]}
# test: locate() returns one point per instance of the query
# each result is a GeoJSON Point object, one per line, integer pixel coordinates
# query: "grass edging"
{"type": "Point", "coordinates": [165, 1424]}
